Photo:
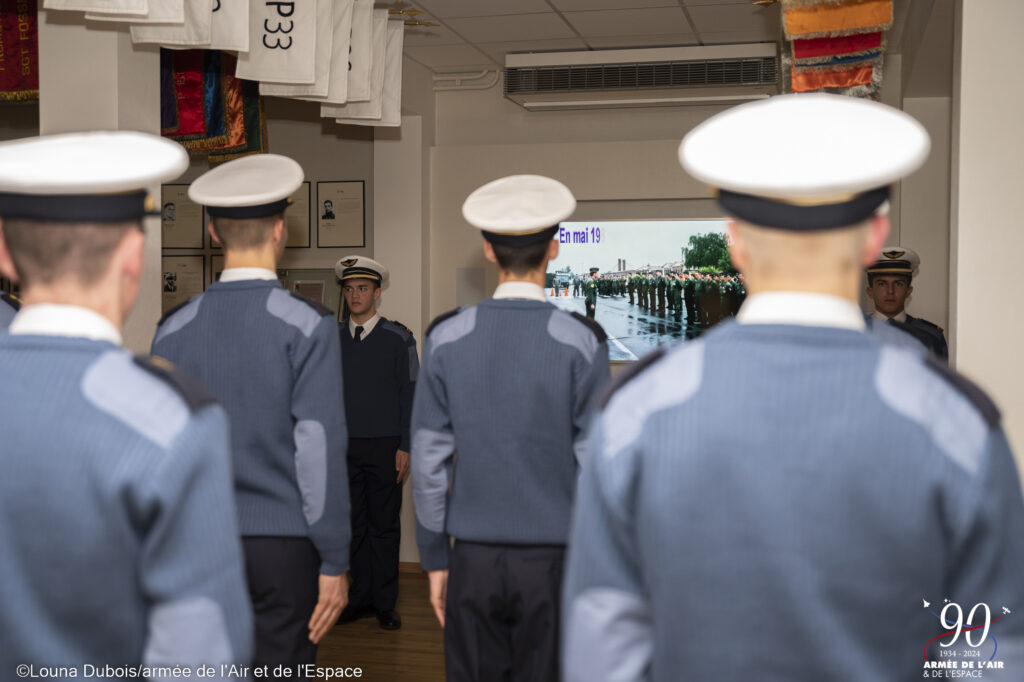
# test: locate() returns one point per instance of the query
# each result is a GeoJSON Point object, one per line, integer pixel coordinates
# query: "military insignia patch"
{"type": "Point", "coordinates": [893, 254]}
{"type": "Point", "coordinates": [349, 262]}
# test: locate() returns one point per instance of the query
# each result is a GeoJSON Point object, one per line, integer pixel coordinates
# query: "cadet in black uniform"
{"type": "Point", "coordinates": [889, 285]}
{"type": "Point", "coordinates": [379, 364]}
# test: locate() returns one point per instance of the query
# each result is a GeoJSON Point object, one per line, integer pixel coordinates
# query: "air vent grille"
{"type": "Point", "coordinates": [642, 76]}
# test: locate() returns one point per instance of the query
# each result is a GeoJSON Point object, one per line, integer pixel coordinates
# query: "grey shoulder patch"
{"type": "Point", "coordinates": [178, 317]}
{"type": "Point", "coordinates": [895, 335]}
{"type": "Point", "coordinates": [592, 324]}
{"type": "Point", "coordinates": [188, 632]}
{"type": "Point", "coordinates": [453, 328]}
{"type": "Point", "coordinates": [293, 310]}
{"type": "Point", "coordinates": [645, 393]}
{"type": "Point", "coordinates": [320, 308]}
{"type": "Point", "coordinates": [151, 406]}
{"type": "Point", "coordinates": [191, 391]}
{"type": "Point", "coordinates": [439, 319]}
{"type": "Point", "coordinates": [970, 390]}
{"type": "Point", "coordinates": [566, 329]}
{"type": "Point", "coordinates": [397, 328]}
{"type": "Point", "coordinates": [914, 388]}
{"type": "Point", "coordinates": [629, 374]}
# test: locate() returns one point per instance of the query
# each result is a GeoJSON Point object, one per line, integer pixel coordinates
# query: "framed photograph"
{"type": "Point", "coordinates": [316, 284]}
{"type": "Point", "coordinates": [181, 218]}
{"type": "Point", "coordinates": [296, 218]}
{"type": "Point", "coordinates": [182, 277]}
{"type": "Point", "coordinates": [341, 220]}
{"type": "Point", "coordinates": [216, 267]}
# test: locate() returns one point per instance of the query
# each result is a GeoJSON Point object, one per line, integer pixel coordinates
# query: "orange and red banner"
{"type": "Point", "coordinates": [19, 50]}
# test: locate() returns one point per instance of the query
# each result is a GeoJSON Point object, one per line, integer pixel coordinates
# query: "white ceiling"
{"type": "Point", "coordinates": [476, 34]}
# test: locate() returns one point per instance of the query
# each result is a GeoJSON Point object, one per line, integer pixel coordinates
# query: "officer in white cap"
{"type": "Point", "coordinates": [273, 360]}
{"type": "Point", "coordinates": [119, 544]}
{"type": "Point", "coordinates": [508, 383]}
{"type": "Point", "coordinates": [889, 285]}
{"type": "Point", "coordinates": [789, 531]}
{"type": "Point", "coordinates": [380, 365]}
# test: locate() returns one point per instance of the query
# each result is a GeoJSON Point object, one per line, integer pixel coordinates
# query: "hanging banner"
{"type": "Point", "coordinates": [234, 112]}
{"type": "Point", "coordinates": [816, 19]}
{"type": "Point", "coordinates": [372, 108]}
{"type": "Point", "coordinates": [19, 50]}
{"type": "Point", "coordinates": [846, 78]}
{"type": "Point", "coordinates": [361, 54]}
{"type": "Point", "coordinates": [391, 97]}
{"type": "Point", "coordinates": [255, 126]}
{"type": "Point", "coordinates": [160, 12]}
{"type": "Point", "coordinates": [138, 7]}
{"type": "Point", "coordinates": [229, 26]}
{"type": "Point", "coordinates": [323, 54]}
{"type": "Point", "coordinates": [282, 42]}
{"type": "Point", "coordinates": [189, 95]}
{"type": "Point", "coordinates": [341, 50]}
{"type": "Point", "coordinates": [194, 32]}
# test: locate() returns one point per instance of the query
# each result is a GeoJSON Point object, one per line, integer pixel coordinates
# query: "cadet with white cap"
{"type": "Point", "coordinates": [864, 476]}
{"type": "Point", "coordinates": [889, 285]}
{"type": "Point", "coordinates": [119, 543]}
{"type": "Point", "coordinates": [8, 308]}
{"type": "Point", "coordinates": [272, 359]}
{"type": "Point", "coordinates": [508, 383]}
{"type": "Point", "coordinates": [380, 365]}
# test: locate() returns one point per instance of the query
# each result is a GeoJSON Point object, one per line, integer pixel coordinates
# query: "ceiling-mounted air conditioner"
{"type": "Point", "coordinates": [647, 77]}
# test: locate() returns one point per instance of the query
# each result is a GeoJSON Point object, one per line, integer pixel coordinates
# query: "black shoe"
{"type": "Point", "coordinates": [389, 619]}
{"type": "Point", "coordinates": [353, 613]}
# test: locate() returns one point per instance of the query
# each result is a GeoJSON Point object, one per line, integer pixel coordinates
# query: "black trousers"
{"type": "Point", "coordinates": [283, 575]}
{"type": "Point", "coordinates": [501, 616]}
{"type": "Point", "coordinates": [376, 501]}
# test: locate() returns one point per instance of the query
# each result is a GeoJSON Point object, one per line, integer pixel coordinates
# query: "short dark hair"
{"type": "Point", "coordinates": [520, 260]}
{"type": "Point", "coordinates": [46, 252]}
{"type": "Point", "coordinates": [244, 233]}
{"type": "Point", "coordinates": [873, 275]}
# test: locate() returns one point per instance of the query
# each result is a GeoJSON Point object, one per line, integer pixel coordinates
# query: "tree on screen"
{"type": "Point", "coordinates": [707, 250]}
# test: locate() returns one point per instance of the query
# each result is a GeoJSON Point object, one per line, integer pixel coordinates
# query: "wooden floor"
{"type": "Point", "coordinates": [414, 653]}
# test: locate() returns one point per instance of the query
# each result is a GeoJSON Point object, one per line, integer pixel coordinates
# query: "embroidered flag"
{"type": "Point", "coordinates": [806, 19]}
{"type": "Point", "coordinates": [255, 126]}
{"type": "Point", "coordinates": [323, 54]}
{"type": "Point", "coordinates": [828, 47]}
{"type": "Point", "coordinates": [139, 7]}
{"type": "Point", "coordinates": [194, 32]}
{"type": "Point", "coordinates": [391, 99]}
{"type": "Point", "coordinates": [188, 94]}
{"type": "Point", "coordinates": [282, 42]}
{"type": "Point", "coordinates": [845, 78]}
{"type": "Point", "coordinates": [19, 50]}
{"type": "Point", "coordinates": [234, 109]}
{"type": "Point", "coordinates": [168, 103]}
{"type": "Point", "coordinates": [370, 109]}
{"type": "Point", "coordinates": [160, 12]}
{"type": "Point", "coordinates": [834, 63]}
{"type": "Point", "coordinates": [361, 59]}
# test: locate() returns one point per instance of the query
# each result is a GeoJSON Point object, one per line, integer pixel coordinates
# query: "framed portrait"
{"type": "Point", "coordinates": [181, 218]}
{"type": "Point", "coordinates": [182, 277]}
{"type": "Point", "coordinates": [296, 218]}
{"type": "Point", "coordinates": [341, 219]}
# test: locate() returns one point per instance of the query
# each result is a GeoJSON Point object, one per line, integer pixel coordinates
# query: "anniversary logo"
{"type": "Point", "coordinates": [967, 646]}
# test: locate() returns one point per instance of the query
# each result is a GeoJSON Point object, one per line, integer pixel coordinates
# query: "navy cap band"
{"type": "Point", "coordinates": [74, 208]}
{"type": "Point", "coordinates": [544, 235]}
{"type": "Point", "coordinates": [361, 273]}
{"type": "Point", "coordinates": [793, 217]}
{"type": "Point", "coordinates": [243, 212]}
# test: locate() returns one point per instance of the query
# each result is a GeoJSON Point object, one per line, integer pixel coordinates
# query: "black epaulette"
{"type": "Point", "coordinates": [967, 388]}
{"type": "Point", "coordinates": [441, 318]}
{"type": "Point", "coordinates": [11, 300]}
{"type": "Point", "coordinates": [628, 375]}
{"type": "Point", "coordinates": [319, 307]}
{"type": "Point", "coordinates": [930, 325]}
{"type": "Point", "coordinates": [190, 390]}
{"type": "Point", "coordinates": [592, 326]}
{"type": "Point", "coordinates": [404, 332]}
{"type": "Point", "coordinates": [173, 310]}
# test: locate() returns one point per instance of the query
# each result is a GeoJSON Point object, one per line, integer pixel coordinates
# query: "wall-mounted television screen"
{"type": "Point", "coordinates": [643, 298]}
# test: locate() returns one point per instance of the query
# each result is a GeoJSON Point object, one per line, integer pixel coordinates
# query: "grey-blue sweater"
{"type": "Point", "coordinates": [774, 502]}
{"type": "Point", "coordinates": [273, 361]}
{"type": "Point", "coordinates": [8, 309]}
{"type": "Point", "coordinates": [509, 384]}
{"type": "Point", "coordinates": [118, 538]}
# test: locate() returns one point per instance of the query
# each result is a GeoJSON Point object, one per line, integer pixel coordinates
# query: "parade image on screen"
{"type": "Point", "coordinates": [646, 282]}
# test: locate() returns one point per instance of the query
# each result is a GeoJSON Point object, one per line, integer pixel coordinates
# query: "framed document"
{"type": "Point", "coordinates": [216, 267]}
{"type": "Point", "coordinates": [182, 218]}
{"type": "Point", "coordinates": [341, 220]}
{"type": "Point", "coordinates": [182, 278]}
{"type": "Point", "coordinates": [296, 218]}
{"type": "Point", "coordinates": [316, 284]}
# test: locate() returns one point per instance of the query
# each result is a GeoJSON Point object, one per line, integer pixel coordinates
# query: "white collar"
{"type": "Point", "coordinates": [51, 319]}
{"type": "Point", "coordinates": [801, 308]}
{"type": "Point", "coordinates": [239, 274]}
{"type": "Point", "coordinates": [516, 289]}
{"type": "Point", "coordinates": [367, 326]}
{"type": "Point", "coordinates": [882, 317]}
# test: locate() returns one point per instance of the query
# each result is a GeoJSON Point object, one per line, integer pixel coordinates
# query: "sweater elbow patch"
{"type": "Point", "coordinates": [311, 467]}
{"type": "Point", "coordinates": [430, 450]}
{"type": "Point", "coordinates": [188, 632]}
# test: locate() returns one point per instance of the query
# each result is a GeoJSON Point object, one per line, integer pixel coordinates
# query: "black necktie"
{"type": "Point", "coordinates": [359, 332]}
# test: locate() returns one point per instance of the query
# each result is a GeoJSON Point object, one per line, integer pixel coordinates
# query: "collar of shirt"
{"type": "Point", "coordinates": [238, 274]}
{"type": "Point", "coordinates": [527, 290]}
{"type": "Point", "coordinates": [51, 319]}
{"type": "Point", "coordinates": [881, 317]}
{"type": "Point", "coordinates": [367, 326]}
{"type": "Point", "coordinates": [801, 308]}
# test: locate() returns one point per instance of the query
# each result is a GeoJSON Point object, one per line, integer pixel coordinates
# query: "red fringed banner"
{"type": "Point", "coordinates": [831, 47]}
{"type": "Point", "coordinates": [188, 94]}
{"type": "Point", "coordinates": [19, 50]}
